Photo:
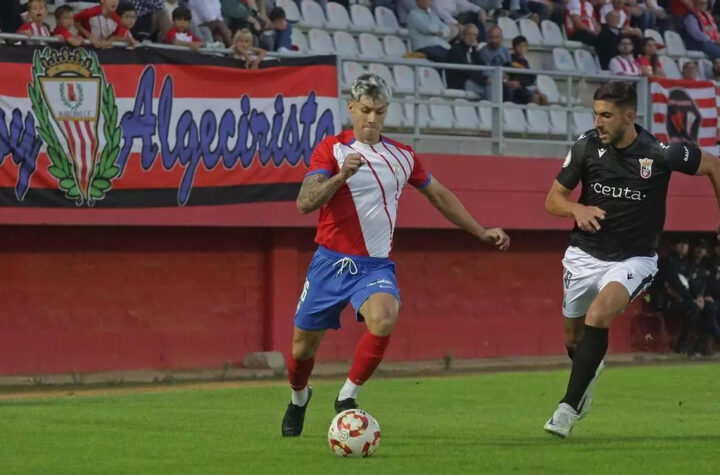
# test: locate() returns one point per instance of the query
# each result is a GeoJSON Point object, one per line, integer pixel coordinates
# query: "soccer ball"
{"type": "Point", "coordinates": [354, 433]}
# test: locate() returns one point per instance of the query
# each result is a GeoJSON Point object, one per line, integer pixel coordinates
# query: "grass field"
{"type": "Point", "coordinates": [646, 420]}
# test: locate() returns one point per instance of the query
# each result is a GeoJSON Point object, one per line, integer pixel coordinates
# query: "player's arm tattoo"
{"type": "Point", "coordinates": [316, 190]}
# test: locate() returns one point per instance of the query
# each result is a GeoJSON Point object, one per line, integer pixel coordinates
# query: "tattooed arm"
{"type": "Point", "coordinates": [317, 189]}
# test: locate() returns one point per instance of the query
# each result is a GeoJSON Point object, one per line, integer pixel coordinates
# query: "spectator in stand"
{"type": "Point", "coordinates": [649, 61]}
{"type": "Point", "coordinates": [464, 51]}
{"type": "Point", "coordinates": [609, 39]}
{"type": "Point", "coordinates": [460, 12]}
{"type": "Point", "coordinates": [690, 71]}
{"type": "Point", "coordinates": [495, 54]}
{"type": "Point", "coordinates": [580, 22]}
{"type": "Point", "coordinates": [98, 24]}
{"type": "Point", "coordinates": [521, 87]}
{"type": "Point", "coordinates": [128, 16]}
{"type": "Point", "coordinates": [179, 33]}
{"type": "Point", "coordinates": [678, 10]}
{"type": "Point", "coordinates": [671, 284]}
{"type": "Point", "coordinates": [427, 32]}
{"type": "Point", "coordinates": [36, 26]}
{"type": "Point", "coordinates": [208, 13]}
{"type": "Point", "coordinates": [244, 49]}
{"type": "Point", "coordinates": [10, 19]}
{"type": "Point", "coordinates": [699, 284]}
{"type": "Point", "coordinates": [281, 30]}
{"type": "Point", "coordinates": [639, 15]}
{"type": "Point", "coordinates": [153, 21]}
{"type": "Point", "coordinates": [659, 18]}
{"type": "Point", "coordinates": [535, 10]}
{"type": "Point", "coordinates": [237, 15]}
{"type": "Point", "coordinates": [65, 26]}
{"type": "Point", "coordinates": [624, 12]}
{"type": "Point", "coordinates": [701, 32]}
{"type": "Point", "coordinates": [624, 64]}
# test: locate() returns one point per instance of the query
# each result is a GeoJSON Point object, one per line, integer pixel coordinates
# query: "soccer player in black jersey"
{"type": "Point", "coordinates": [612, 258]}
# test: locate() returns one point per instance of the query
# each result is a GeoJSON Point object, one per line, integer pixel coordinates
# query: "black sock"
{"type": "Point", "coordinates": [587, 357]}
{"type": "Point", "coordinates": [570, 351]}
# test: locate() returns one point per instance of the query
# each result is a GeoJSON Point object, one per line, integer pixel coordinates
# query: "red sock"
{"type": "Point", "coordinates": [368, 354]}
{"type": "Point", "coordinates": [299, 372]}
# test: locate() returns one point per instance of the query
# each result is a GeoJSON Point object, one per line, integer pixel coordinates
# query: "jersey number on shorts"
{"type": "Point", "coordinates": [303, 295]}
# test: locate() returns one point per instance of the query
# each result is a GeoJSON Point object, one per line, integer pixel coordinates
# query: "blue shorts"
{"type": "Point", "coordinates": [334, 280]}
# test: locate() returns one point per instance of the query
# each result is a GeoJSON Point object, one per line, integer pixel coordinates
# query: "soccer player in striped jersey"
{"type": "Point", "coordinates": [355, 180]}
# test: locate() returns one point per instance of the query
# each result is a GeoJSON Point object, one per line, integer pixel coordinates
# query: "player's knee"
{"type": "Point", "coordinates": [302, 353]}
{"type": "Point", "coordinates": [382, 321]}
{"type": "Point", "coordinates": [600, 316]}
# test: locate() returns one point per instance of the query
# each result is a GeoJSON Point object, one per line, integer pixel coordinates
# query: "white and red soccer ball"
{"type": "Point", "coordinates": [354, 433]}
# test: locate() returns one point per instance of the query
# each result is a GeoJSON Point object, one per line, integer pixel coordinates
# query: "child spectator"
{"type": "Point", "coordinates": [523, 86]}
{"type": "Point", "coordinates": [64, 26]}
{"type": "Point", "coordinates": [244, 49]}
{"type": "Point", "coordinates": [179, 34]}
{"type": "Point", "coordinates": [128, 16]}
{"type": "Point", "coordinates": [281, 28]}
{"type": "Point", "coordinates": [649, 61]}
{"type": "Point", "coordinates": [36, 26]}
{"type": "Point", "coordinates": [98, 24]}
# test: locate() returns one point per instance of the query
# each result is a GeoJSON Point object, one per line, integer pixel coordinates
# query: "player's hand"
{"type": "Point", "coordinates": [350, 166]}
{"type": "Point", "coordinates": [588, 217]}
{"type": "Point", "coordinates": [497, 237]}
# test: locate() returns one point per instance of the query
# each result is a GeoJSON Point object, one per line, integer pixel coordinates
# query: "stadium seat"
{"type": "Point", "coordinates": [441, 114]}
{"type": "Point", "coordinates": [395, 116]}
{"type": "Point", "coordinates": [676, 47]}
{"type": "Point", "coordinates": [338, 17]}
{"type": "Point", "coordinates": [385, 18]}
{"type": "Point", "coordinates": [585, 61]}
{"type": "Point", "coordinates": [320, 42]}
{"type": "Point", "coordinates": [538, 120]}
{"type": "Point", "coordinates": [394, 46]}
{"type": "Point", "coordinates": [547, 86]}
{"type": "Point", "coordinates": [423, 114]}
{"type": "Point", "coordinates": [384, 72]}
{"type": "Point", "coordinates": [291, 10]}
{"type": "Point", "coordinates": [670, 67]}
{"type": "Point", "coordinates": [706, 68]}
{"type": "Point", "coordinates": [562, 60]}
{"type": "Point", "coordinates": [513, 119]}
{"type": "Point", "coordinates": [404, 78]}
{"type": "Point", "coordinates": [312, 15]}
{"type": "Point", "coordinates": [485, 115]}
{"type": "Point", "coordinates": [509, 28]}
{"type": "Point", "coordinates": [351, 70]}
{"type": "Point", "coordinates": [552, 36]}
{"type": "Point", "coordinates": [299, 40]}
{"type": "Point", "coordinates": [370, 46]}
{"type": "Point", "coordinates": [582, 122]}
{"type": "Point", "coordinates": [558, 122]}
{"type": "Point", "coordinates": [530, 30]}
{"type": "Point", "coordinates": [654, 34]}
{"type": "Point", "coordinates": [363, 19]}
{"type": "Point", "coordinates": [345, 44]}
{"type": "Point", "coordinates": [466, 116]}
{"type": "Point", "coordinates": [430, 82]}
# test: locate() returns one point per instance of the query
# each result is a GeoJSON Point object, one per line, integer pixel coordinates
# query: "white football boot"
{"type": "Point", "coordinates": [561, 422]}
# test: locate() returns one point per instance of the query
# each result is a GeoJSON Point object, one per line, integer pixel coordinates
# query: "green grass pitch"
{"type": "Point", "coordinates": [645, 420]}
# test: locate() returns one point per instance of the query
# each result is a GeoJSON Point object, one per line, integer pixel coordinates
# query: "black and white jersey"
{"type": "Point", "coordinates": [630, 185]}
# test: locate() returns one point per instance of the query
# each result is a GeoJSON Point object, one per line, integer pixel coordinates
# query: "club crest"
{"type": "Point", "coordinates": [645, 167]}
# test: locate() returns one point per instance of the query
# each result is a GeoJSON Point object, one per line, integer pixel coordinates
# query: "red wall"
{"type": "Point", "coordinates": [93, 298]}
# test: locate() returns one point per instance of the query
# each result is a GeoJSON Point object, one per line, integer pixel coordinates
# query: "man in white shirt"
{"type": "Point", "coordinates": [624, 64]}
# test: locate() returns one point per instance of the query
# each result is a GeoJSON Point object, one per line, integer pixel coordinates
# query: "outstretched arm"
{"type": "Point", "coordinates": [448, 204]}
{"type": "Point", "coordinates": [710, 167]}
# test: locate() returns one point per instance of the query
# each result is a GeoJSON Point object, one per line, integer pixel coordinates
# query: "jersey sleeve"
{"type": "Point", "coordinates": [62, 32]}
{"type": "Point", "coordinates": [170, 36]}
{"type": "Point", "coordinates": [682, 157]}
{"type": "Point", "coordinates": [323, 160]}
{"type": "Point", "coordinates": [571, 172]}
{"type": "Point", "coordinates": [419, 176]}
{"type": "Point", "coordinates": [83, 17]}
{"type": "Point", "coordinates": [24, 27]}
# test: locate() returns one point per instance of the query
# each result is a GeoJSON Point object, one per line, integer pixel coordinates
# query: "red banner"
{"type": "Point", "coordinates": [88, 132]}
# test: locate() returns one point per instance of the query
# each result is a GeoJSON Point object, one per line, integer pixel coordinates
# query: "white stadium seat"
{"type": "Point", "coordinates": [345, 44]}
{"type": "Point", "coordinates": [312, 15]}
{"type": "Point", "coordinates": [338, 17]}
{"type": "Point", "coordinates": [320, 42]}
{"type": "Point", "coordinates": [370, 46]}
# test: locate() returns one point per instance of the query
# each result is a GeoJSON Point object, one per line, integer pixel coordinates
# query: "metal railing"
{"type": "Point", "coordinates": [499, 139]}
